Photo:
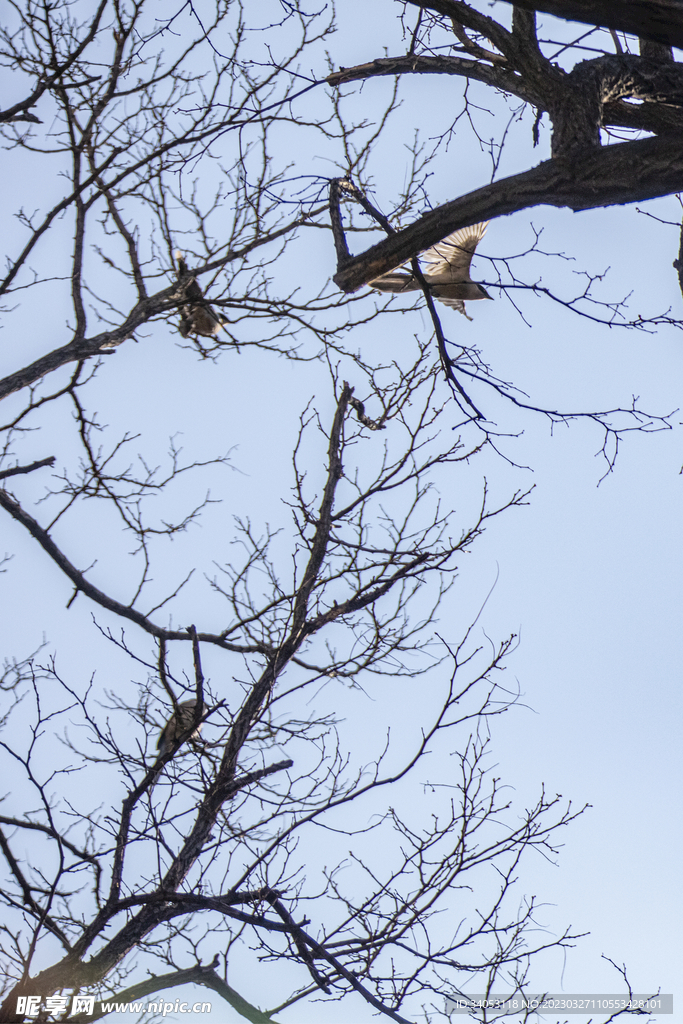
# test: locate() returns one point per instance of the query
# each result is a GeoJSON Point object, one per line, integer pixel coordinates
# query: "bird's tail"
{"type": "Point", "coordinates": [395, 282]}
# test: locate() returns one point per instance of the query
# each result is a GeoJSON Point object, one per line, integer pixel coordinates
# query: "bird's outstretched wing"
{"type": "Point", "coordinates": [454, 254]}
{"type": "Point", "coordinates": [447, 271]}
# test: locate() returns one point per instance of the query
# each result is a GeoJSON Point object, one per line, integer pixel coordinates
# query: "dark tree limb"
{"type": "Point", "coordinates": [655, 51]}
{"type": "Point", "coordinates": [201, 974]}
{"type": "Point", "coordinates": [469, 18]}
{"type": "Point", "coordinates": [337, 188]}
{"type": "Point", "coordinates": [82, 585]}
{"type": "Point", "coordinates": [660, 20]}
{"type": "Point", "coordinates": [296, 932]}
{"type": "Point", "coordinates": [151, 306]}
{"type": "Point", "coordinates": [500, 77]}
{"type": "Point", "coordinates": [608, 176]}
{"type": "Point", "coordinates": [82, 855]}
{"type": "Point", "coordinates": [16, 470]}
{"type": "Point", "coordinates": [649, 117]}
{"type": "Point", "coordinates": [27, 889]}
{"type": "Point", "coordinates": [20, 111]}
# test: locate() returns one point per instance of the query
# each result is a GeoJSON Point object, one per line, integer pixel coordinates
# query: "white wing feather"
{"type": "Point", "coordinates": [454, 254]}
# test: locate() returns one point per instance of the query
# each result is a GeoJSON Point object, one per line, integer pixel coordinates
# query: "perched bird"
{"type": "Point", "coordinates": [196, 315]}
{"type": "Point", "coordinates": [177, 725]}
{"type": "Point", "coordinates": [447, 273]}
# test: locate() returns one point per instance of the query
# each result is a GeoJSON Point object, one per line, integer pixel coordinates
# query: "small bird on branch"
{"type": "Point", "coordinates": [448, 273]}
{"type": "Point", "coordinates": [177, 725]}
{"type": "Point", "coordinates": [196, 315]}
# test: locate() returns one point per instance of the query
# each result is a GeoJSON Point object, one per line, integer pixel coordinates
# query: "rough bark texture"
{"type": "Point", "coordinates": [655, 51]}
{"type": "Point", "coordinates": [607, 176]}
{"type": "Point", "coordinates": [659, 20]}
{"type": "Point", "coordinates": [643, 92]}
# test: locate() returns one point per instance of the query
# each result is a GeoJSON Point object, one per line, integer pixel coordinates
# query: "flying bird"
{"type": "Point", "coordinates": [448, 271]}
{"type": "Point", "coordinates": [177, 726]}
{"type": "Point", "coordinates": [196, 315]}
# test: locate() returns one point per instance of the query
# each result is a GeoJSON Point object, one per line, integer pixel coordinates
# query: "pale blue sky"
{"type": "Point", "coordinates": [590, 577]}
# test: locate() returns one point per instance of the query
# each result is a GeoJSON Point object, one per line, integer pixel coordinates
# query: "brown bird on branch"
{"type": "Point", "coordinates": [448, 273]}
{"type": "Point", "coordinates": [196, 315]}
{"type": "Point", "coordinates": [177, 725]}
